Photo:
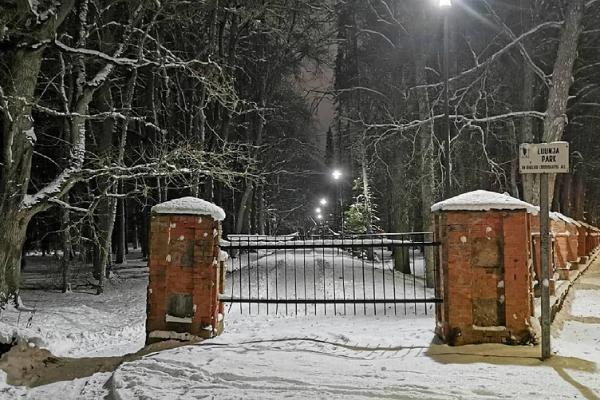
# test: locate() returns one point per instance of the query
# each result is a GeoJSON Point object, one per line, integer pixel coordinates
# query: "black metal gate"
{"type": "Point", "coordinates": [366, 274]}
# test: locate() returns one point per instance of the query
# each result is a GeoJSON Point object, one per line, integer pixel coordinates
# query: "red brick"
{"type": "Point", "coordinates": [167, 275]}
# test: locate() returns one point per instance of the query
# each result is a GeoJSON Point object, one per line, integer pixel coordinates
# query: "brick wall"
{"type": "Point", "coordinates": [488, 261]}
{"type": "Point", "coordinates": [485, 278]}
{"type": "Point", "coordinates": [184, 276]}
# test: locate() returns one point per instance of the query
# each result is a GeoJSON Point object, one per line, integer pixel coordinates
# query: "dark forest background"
{"type": "Point", "coordinates": [109, 107]}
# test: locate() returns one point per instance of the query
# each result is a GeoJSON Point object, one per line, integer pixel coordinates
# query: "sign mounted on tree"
{"type": "Point", "coordinates": [544, 158]}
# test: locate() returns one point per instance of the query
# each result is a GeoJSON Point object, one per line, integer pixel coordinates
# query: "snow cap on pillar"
{"type": "Point", "coordinates": [482, 200]}
{"type": "Point", "coordinates": [190, 206]}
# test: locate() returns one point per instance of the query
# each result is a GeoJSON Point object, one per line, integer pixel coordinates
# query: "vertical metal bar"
{"type": "Point", "coordinates": [425, 268]}
{"type": "Point", "coordinates": [403, 279]}
{"type": "Point", "coordinates": [314, 254]}
{"type": "Point", "coordinates": [240, 273]}
{"type": "Point", "coordinates": [305, 281]}
{"type": "Point", "coordinates": [353, 279]}
{"type": "Point", "coordinates": [324, 276]}
{"type": "Point", "coordinates": [414, 271]}
{"type": "Point", "coordinates": [233, 273]}
{"type": "Point", "coordinates": [394, 276]}
{"type": "Point", "coordinates": [368, 252]}
{"type": "Point", "coordinates": [285, 278]}
{"type": "Point", "coordinates": [334, 280]}
{"type": "Point", "coordinates": [267, 282]}
{"type": "Point", "coordinates": [250, 280]}
{"type": "Point", "coordinates": [382, 275]}
{"type": "Point", "coordinates": [295, 281]}
{"type": "Point", "coordinates": [545, 253]}
{"type": "Point", "coordinates": [362, 263]}
{"type": "Point", "coordinates": [343, 281]}
{"type": "Point", "coordinates": [276, 283]}
{"type": "Point", "coordinates": [258, 283]}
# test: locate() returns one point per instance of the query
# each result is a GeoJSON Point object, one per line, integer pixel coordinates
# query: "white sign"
{"type": "Point", "coordinates": [544, 158]}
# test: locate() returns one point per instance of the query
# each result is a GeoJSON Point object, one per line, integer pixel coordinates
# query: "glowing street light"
{"type": "Point", "coordinates": [445, 3]}
{"type": "Point", "coordinates": [318, 210]}
{"type": "Point", "coordinates": [336, 174]}
{"type": "Point", "coordinates": [319, 217]}
{"type": "Point", "coordinates": [323, 201]}
{"type": "Point", "coordinates": [337, 177]}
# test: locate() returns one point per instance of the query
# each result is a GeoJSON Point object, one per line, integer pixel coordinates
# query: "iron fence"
{"type": "Point", "coordinates": [368, 274]}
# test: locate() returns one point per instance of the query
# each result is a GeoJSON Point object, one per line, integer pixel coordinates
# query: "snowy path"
{"type": "Point", "coordinates": [579, 333]}
{"type": "Point", "coordinates": [343, 358]}
{"type": "Point", "coordinates": [358, 357]}
{"type": "Point", "coordinates": [366, 357]}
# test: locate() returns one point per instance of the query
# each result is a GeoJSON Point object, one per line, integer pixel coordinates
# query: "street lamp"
{"type": "Point", "coordinates": [323, 201]}
{"type": "Point", "coordinates": [336, 174]}
{"type": "Point", "coordinates": [445, 5]}
{"type": "Point", "coordinates": [318, 210]}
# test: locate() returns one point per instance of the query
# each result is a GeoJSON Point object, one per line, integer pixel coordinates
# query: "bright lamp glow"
{"type": "Point", "coordinates": [445, 3]}
{"type": "Point", "coordinates": [323, 202]}
{"type": "Point", "coordinates": [318, 210]}
{"type": "Point", "coordinates": [337, 174]}
{"type": "Point", "coordinates": [319, 216]}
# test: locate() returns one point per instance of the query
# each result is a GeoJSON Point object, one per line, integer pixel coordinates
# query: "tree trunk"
{"type": "Point", "coordinates": [15, 167]}
{"type": "Point", "coordinates": [566, 196]}
{"type": "Point", "coordinates": [262, 212]}
{"type": "Point", "coordinates": [399, 220]}
{"type": "Point", "coordinates": [243, 208]}
{"type": "Point", "coordinates": [562, 77]}
{"type": "Point", "coordinates": [65, 229]}
{"type": "Point", "coordinates": [367, 196]}
{"type": "Point", "coordinates": [12, 238]}
{"type": "Point", "coordinates": [578, 196]}
{"type": "Point", "coordinates": [531, 192]}
{"type": "Point", "coordinates": [135, 234]}
{"type": "Point", "coordinates": [106, 209]}
{"type": "Point", "coordinates": [121, 237]}
{"type": "Point", "coordinates": [144, 229]}
{"type": "Point", "coordinates": [555, 203]}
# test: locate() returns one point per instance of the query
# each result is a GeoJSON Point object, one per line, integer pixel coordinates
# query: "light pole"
{"type": "Point", "coordinates": [445, 5]}
{"type": "Point", "coordinates": [336, 174]}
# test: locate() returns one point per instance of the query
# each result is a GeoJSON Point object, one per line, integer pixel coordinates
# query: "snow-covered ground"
{"type": "Point", "coordinates": [364, 357]}
{"type": "Point", "coordinates": [79, 323]}
{"type": "Point", "coordinates": [312, 356]}
{"type": "Point", "coordinates": [90, 388]}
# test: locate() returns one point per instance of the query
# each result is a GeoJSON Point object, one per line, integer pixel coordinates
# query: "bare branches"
{"type": "Point", "coordinates": [538, 71]}
{"type": "Point", "coordinates": [496, 56]}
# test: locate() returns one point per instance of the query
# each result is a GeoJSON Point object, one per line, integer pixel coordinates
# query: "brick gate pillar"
{"type": "Point", "coordinates": [485, 276]}
{"type": "Point", "coordinates": [184, 271]}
